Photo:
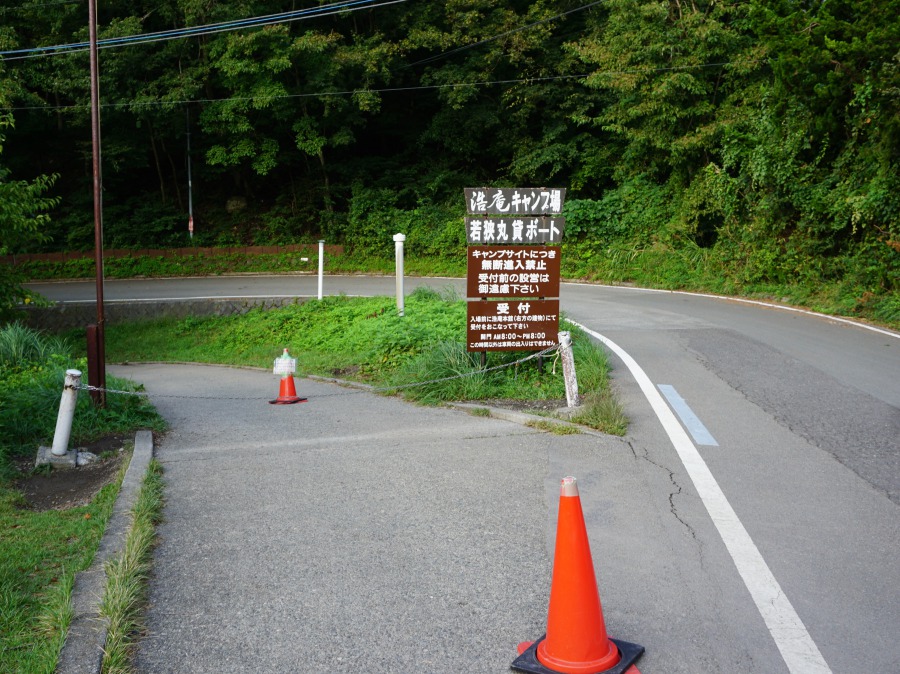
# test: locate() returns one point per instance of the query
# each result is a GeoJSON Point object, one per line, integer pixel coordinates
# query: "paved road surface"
{"type": "Point", "coordinates": [805, 416]}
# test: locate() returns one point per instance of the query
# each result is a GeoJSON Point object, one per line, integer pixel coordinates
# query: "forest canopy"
{"type": "Point", "coordinates": [765, 132]}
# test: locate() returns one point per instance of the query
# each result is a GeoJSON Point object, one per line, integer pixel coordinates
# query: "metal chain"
{"type": "Point", "coordinates": [468, 374]}
{"type": "Point", "coordinates": [88, 387]}
{"type": "Point", "coordinates": [379, 389]}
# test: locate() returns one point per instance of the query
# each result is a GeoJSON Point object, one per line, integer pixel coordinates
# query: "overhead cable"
{"type": "Point", "coordinates": [208, 29]}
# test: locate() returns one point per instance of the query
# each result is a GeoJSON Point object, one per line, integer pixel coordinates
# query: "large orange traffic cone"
{"type": "Point", "coordinates": [576, 641]}
{"type": "Point", "coordinates": [287, 393]}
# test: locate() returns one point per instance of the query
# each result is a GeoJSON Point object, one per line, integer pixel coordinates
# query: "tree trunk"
{"type": "Point", "coordinates": [159, 172]}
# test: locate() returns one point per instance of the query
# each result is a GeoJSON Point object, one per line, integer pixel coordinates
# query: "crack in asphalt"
{"type": "Point", "coordinates": [673, 509]}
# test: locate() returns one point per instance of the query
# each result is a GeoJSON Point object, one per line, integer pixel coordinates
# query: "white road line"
{"type": "Point", "coordinates": [180, 299]}
{"type": "Point", "coordinates": [799, 651]}
{"type": "Point", "coordinates": [743, 300]}
{"type": "Point", "coordinates": [691, 421]}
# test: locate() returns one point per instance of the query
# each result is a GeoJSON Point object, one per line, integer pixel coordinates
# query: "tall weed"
{"type": "Point", "coordinates": [20, 344]}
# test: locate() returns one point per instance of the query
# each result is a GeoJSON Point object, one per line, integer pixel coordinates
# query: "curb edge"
{"type": "Point", "coordinates": [82, 652]}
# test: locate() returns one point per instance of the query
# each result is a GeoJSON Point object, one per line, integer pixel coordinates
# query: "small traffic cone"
{"type": "Point", "coordinates": [576, 641]}
{"type": "Point", "coordinates": [287, 394]}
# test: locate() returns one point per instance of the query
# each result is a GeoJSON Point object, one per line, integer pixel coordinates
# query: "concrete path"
{"type": "Point", "coordinates": [359, 533]}
{"type": "Point", "coordinates": [352, 533]}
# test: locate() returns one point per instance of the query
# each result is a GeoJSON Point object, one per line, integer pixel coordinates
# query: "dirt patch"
{"type": "Point", "coordinates": [64, 488]}
{"type": "Point", "coordinates": [548, 405]}
{"type": "Point", "coordinates": [350, 371]}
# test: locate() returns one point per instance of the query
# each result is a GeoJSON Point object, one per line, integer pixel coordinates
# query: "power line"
{"type": "Point", "coordinates": [22, 8]}
{"type": "Point", "coordinates": [208, 29]}
{"type": "Point", "coordinates": [337, 7]}
{"type": "Point", "coordinates": [385, 90]}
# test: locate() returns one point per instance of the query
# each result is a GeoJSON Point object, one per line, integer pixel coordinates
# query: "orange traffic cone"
{"type": "Point", "coordinates": [576, 641]}
{"type": "Point", "coordinates": [287, 394]}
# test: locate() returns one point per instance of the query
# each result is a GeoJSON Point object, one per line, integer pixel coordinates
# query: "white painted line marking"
{"type": "Point", "coordinates": [799, 651]}
{"type": "Point", "coordinates": [184, 299]}
{"type": "Point", "coordinates": [769, 305]}
{"type": "Point", "coordinates": [691, 421]}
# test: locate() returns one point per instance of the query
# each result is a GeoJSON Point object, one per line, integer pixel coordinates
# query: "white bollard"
{"type": "Point", "coordinates": [321, 264]}
{"type": "Point", "coordinates": [398, 257]}
{"type": "Point", "coordinates": [568, 364]}
{"type": "Point", "coordinates": [66, 413]}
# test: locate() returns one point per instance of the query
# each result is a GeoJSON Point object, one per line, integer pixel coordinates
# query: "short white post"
{"type": "Point", "coordinates": [321, 264]}
{"type": "Point", "coordinates": [398, 257]}
{"type": "Point", "coordinates": [66, 413]}
{"type": "Point", "coordinates": [568, 364]}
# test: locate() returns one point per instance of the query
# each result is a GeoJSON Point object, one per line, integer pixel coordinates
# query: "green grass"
{"type": "Point", "coordinates": [127, 575]}
{"type": "Point", "coordinates": [602, 410]}
{"type": "Point", "coordinates": [694, 269]}
{"type": "Point", "coordinates": [334, 333]}
{"type": "Point", "coordinates": [364, 336]}
{"type": "Point", "coordinates": [554, 428]}
{"type": "Point", "coordinates": [40, 553]}
{"type": "Point", "coordinates": [261, 263]}
{"type": "Point", "coordinates": [29, 403]}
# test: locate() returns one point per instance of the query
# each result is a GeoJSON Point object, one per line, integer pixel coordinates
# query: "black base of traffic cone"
{"type": "Point", "coordinates": [287, 400]}
{"type": "Point", "coordinates": [528, 661]}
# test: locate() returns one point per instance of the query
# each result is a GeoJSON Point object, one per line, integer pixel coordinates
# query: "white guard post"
{"type": "Point", "coordinates": [321, 264]}
{"type": "Point", "coordinates": [568, 363]}
{"type": "Point", "coordinates": [66, 413]}
{"type": "Point", "coordinates": [398, 257]}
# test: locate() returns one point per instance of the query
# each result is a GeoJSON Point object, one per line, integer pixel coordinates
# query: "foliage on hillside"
{"type": "Point", "coordinates": [758, 139]}
{"type": "Point", "coordinates": [23, 221]}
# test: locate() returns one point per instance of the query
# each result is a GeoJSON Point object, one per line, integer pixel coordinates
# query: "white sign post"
{"type": "Point", "coordinates": [568, 365]}
{"type": "Point", "coordinates": [321, 264]}
{"type": "Point", "coordinates": [66, 413]}
{"type": "Point", "coordinates": [398, 257]}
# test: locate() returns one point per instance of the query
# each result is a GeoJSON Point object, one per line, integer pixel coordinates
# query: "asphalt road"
{"type": "Point", "coordinates": [769, 544]}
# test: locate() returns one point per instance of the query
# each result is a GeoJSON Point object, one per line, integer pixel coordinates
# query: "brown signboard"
{"type": "Point", "coordinates": [513, 271]}
{"type": "Point", "coordinates": [523, 230]}
{"type": "Point", "coordinates": [514, 325]}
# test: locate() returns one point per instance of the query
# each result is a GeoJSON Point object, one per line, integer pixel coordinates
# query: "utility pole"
{"type": "Point", "coordinates": [99, 366]}
{"type": "Point", "coordinates": [187, 114]}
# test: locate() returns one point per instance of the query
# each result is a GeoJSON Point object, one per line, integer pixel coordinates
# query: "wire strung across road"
{"type": "Point", "coordinates": [374, 389]}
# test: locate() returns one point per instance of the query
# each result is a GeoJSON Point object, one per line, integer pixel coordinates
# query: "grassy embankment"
{"type": "Point", "coordinates": [365, 339]}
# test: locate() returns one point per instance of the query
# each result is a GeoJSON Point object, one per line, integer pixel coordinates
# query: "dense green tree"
{"type": "Point", "coordinates": [766, 132]}
{"type": "Point", "coordinates": [23, 217]}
